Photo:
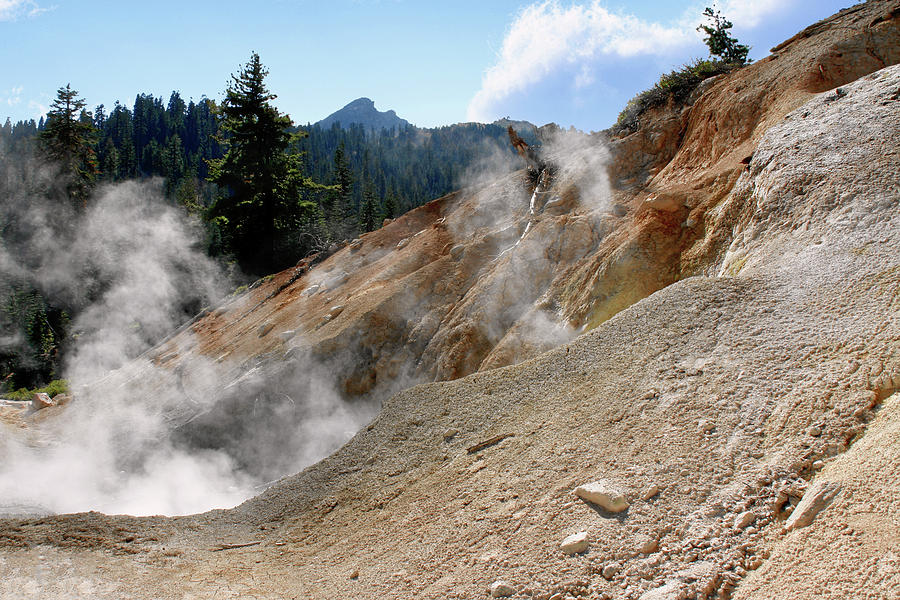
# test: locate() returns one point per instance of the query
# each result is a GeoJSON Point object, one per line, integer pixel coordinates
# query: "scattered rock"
{"type": "Point", "coordinates": [41, 401]}
{"type": "Point", "coordinates": [502, 589]}
{"type": "Point", "coordinates": [609, 570]}
{"type": "Point", "coordinates": [284, 336]}
{"type": "Point", "coordinates": [604, 495]}
{"type": "Point", "coordinates": [670, 591]}
{"type": "Point", "coordinates": [706, 426]}
{"type": "Point", "coordinates": [663, 202]}
{"type": "Point", "coordinates": [647, 544]}
{"type": "Point", "coordinates": [62, 399]}
{"type": "Point", "coordinates": [744, 519]}
{"type": "Point", "coordinates": [575, 543]}
{"type": "Point", "coordinates": [649, 492]}
{"type": "Point", "coordinates": [819, 496]}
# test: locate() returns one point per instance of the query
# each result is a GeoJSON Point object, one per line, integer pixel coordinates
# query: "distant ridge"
{"type": "Point", "coordinates": [362, 111]}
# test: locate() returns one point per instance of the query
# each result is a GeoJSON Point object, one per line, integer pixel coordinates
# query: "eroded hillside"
{"type": "Point", "coordinates": [734, 265]}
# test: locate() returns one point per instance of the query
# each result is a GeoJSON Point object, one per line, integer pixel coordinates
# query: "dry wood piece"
{"type": "Point", "coordinates": [489, 442]}
{"type": "Point", "coordinates": [221, 547]}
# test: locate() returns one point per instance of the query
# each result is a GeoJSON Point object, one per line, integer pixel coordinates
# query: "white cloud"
{"type": "Point", "coordinates": [13, 96]}
{"type": "Point", "coordinates": [547, 38]}
{"type": "Point", "coordinates": [11, 10]}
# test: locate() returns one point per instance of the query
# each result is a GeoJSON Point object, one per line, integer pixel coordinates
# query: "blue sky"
{"type": "Point", "coordinates": [435, 63]}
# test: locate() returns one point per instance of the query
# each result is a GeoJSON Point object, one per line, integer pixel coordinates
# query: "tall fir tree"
{"type": "Point", "coordinates": [68, 137]}
{"type": "Point", "coordinates": [263, 206]}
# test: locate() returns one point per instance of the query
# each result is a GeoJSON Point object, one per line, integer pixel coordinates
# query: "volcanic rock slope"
{"type": "Point", "coordinates": [747, 410]}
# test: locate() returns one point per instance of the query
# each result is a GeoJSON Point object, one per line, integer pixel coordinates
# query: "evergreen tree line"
{"type": "Point", "coordinates": [379, 174]}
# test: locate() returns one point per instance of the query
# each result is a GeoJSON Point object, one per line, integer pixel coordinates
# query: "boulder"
{"type": "Point", "coordinates": [40, 401]}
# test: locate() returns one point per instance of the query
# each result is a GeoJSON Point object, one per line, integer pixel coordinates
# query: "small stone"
{"type": "Point", "coordinates": [334, 311]}
{"type": "Point", "coordinates": [603, 495]}
{"type": "Point", "coordinates": [648, 545]}
{"type": "Point", "coordinates": [575, 543]}
{"type": "Point", "coordinates": [354, 574]}
{"type": "Point", "coordinates": [814, 431]}
{"type": "Point", "coordinates": [450, 434]}
{"type": "Point", "coordinates": [814, 501]}
{"type": "Point", "coordinates": [502, 589]}
{"type": "Point", "coordinates": [649, 492]}
{"type": "Point", "coordinates": [706, 426]}
{"type": "Point", "coordinates": [265, 328]}
{"type": "Point", "coordinates": [285, 336]}
{"type": "Point", "coordinates": [610, 570]}
{"type": "Point", "coordinates": [744, 519]}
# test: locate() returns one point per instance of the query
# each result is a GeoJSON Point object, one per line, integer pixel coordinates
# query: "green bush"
{"type": "Point", "coordinates": [676, 86]}
{"type": "Point", "coordinates": [57, 386]}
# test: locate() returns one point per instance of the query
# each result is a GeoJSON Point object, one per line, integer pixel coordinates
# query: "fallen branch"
{"type": "Point", "coordinates": [494, 440]}
{"type": "Point", "coordinates": [221, 547]}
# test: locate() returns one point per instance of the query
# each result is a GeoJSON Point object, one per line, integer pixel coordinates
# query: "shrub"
{"type": "Point", "coordinates": [676, 86]}
{"type": "Point", "coordinates": [55, 387]}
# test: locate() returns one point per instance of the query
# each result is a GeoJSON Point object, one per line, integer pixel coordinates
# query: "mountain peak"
{"type": "Point", "coordinates": [362, 111]}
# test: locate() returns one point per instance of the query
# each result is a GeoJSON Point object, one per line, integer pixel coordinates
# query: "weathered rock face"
{"type": "Point", "coordinates": [488, 277]}
{"type": "Point", "coordinates": [497, 274]}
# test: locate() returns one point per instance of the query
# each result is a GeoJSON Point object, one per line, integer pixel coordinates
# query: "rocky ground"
{"type": "Point", "coordinates": [735, 395]}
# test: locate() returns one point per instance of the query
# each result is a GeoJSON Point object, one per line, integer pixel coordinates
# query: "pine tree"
{"type": "Point", "coordinates": [369, 210]}
{"type": "Point", "coordinates": [342, 208]}
{"type": "Point", "coordinates": [719, 41]}
{"type": "Point", "coordinates": [390, 206]}
{"type": "Point", "coordinates": [263, 204]}
{"type": "Point", "coordinates": [68, 138]}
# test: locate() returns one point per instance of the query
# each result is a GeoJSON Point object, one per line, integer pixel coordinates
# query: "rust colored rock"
{"type": "Point", "coordinates": [41, 401]}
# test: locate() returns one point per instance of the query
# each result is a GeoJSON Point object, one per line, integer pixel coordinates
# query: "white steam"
{"type": "Point", "coordinates": [135, 259]}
